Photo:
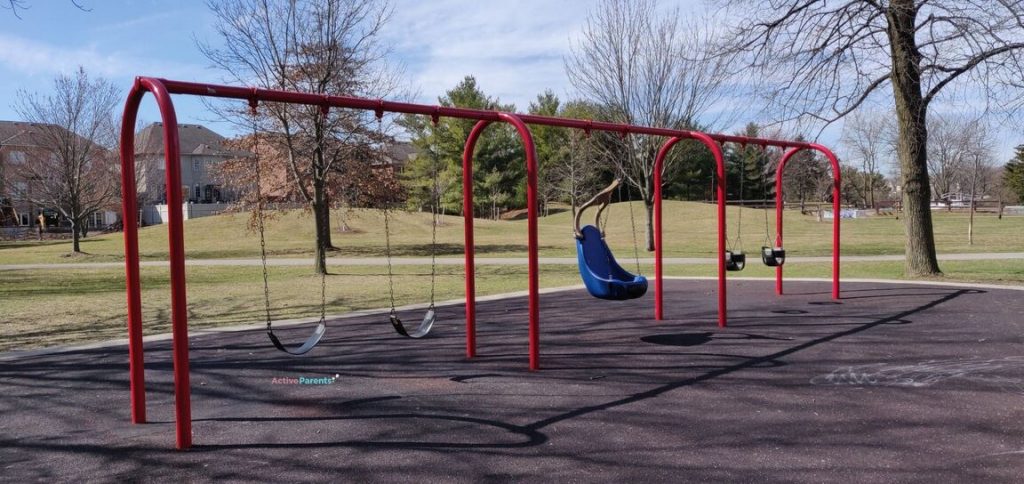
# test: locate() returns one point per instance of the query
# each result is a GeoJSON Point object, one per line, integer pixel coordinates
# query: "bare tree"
{"type": "Point", "coordinates": [74, 171]}
{"type": "Point", "coordinates": [15, 5]}
{"type": "Point", "coordinates": [575, 176]}
{"type": "Point", "coordinates": [949, 150]}
{"type": "Point", "coordinates": [867, 138]}
{"type": "Point", "coordinates": [643, 67]}
{"type": "Point", "coordinates": [981, 185]}
{"type": "Point", "coordinates": [821, 60]}
{"type": "Point", "coordinates": [316, 46]}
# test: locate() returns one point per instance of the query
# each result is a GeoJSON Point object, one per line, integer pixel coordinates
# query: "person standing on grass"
{"type": "Point", "coordinates": [42, 226]}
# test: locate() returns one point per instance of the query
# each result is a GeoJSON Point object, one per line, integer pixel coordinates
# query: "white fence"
{"type": "Point", "coordinates": [157, 214]}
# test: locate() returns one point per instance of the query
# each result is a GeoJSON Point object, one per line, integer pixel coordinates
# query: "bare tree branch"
{"type": "Point", "coordinates": [74, 170]}
{"type": "Point", "coordinates": [818, 61]}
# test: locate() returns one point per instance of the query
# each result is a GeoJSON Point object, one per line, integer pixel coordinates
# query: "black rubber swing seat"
{"type": "Point", "coordinates": [306, 346]}
{"type": "Point", "coordinates": [735, 261]}
{"type": "Point", "coordinates": [421, 331]}
{"type": "Point", "coordinates": [773, 256]}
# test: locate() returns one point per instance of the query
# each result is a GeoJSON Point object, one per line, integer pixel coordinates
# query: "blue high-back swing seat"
{"type": "Point", "coordinates": [603, 276]}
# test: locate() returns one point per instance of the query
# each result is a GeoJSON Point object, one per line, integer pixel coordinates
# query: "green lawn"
{"type": "Point", "coordinates": [51, 307]}
{"type": "Point", "coordinates": [65, 306]}
{"type": "Point", "coordinates": [689, 231]}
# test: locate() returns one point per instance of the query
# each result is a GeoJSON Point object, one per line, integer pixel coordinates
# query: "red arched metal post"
{"type": "Point", "coordinates": [659, 289]}
{"type": "Point", "coordinates": [837, 205]}
{"type": "Point", "coordinates": [175, 236]}
{"type": "Point", "coordinates": [531, 206]}
{"type": "Point", "coordinates": [129, 216]}
{"type": "Point", "coordinates": [836, 215]}
{"type": "Point", "coordinates": [779, 207]}
{"type": "Point", "coordinates": [659, 161]}
{"type": "Point", "coordinates": [467, 215]}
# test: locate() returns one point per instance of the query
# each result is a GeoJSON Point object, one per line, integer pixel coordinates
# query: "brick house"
{"type": "Point", "coordinates": [201, 151]}
{"type": "Point", "coordinates": [19, 145]}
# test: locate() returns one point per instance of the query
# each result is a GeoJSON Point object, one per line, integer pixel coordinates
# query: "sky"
{"type": "Point", "coordinates": [515, 49]}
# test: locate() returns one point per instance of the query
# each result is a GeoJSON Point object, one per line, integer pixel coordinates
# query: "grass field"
{"type": "Point", "coordinates": [46, 308]}
{"type": "Point", "coordinates": [689, 231]}
{"type": "Point", "coordinates": [66, 306]}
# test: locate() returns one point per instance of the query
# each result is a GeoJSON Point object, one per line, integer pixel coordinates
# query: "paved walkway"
{"type": "Point", "coordinates": [487, 261]}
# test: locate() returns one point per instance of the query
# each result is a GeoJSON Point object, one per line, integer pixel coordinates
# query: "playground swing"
{"type": "Point", "coordinates": [321, 327]}
{"type": "Point", "coordinates": [430, 316]}
{"type": "Point", "coordinates": [603, 277]}
{"type": "Point", "coordinates": [736, 260]}
{"type": "Point", "coordinates": [771, 254]}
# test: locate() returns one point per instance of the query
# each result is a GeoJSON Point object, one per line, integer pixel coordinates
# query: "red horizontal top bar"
{"type": "Point", "coordinates": [381, 106]}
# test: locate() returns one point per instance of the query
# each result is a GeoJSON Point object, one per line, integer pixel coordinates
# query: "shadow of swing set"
{"type": "Point", "coordinates": [602, 275]}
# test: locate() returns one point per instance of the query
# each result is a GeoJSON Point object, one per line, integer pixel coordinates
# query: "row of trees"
{"type": "Point", "coordinates": [814, 62]}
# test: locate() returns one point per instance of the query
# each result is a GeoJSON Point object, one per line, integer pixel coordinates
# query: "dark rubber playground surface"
{"type": "Point", "coordinates": [896, 383]}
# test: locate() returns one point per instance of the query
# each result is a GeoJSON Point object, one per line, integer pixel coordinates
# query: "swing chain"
{"type": "Point", "coordinates": [260, 224]}
{"type": "Point", "coordinates": [739, 213]}
{"type": "Point", "coordinates": [435, 202]}
{"type": "Point", "coordinates": [632, 219]}
{"type": "Point", "coordinates": [387, 224]}
{"type": "Point", "coordinates": [764, 194]}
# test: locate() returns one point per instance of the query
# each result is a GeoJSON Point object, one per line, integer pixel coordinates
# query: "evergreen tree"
{"type": "Point", "coordinates": [1013, 174]}
{"type": "Point", "coordinates": [552, 148]}
{"type": "Point", "coordinates": [499, 150]}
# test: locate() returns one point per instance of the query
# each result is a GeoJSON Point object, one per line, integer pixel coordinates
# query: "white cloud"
{"type": "Point", "coordinates": [33, 58]}
{"type": "Point", "coordinates": [515, 49]}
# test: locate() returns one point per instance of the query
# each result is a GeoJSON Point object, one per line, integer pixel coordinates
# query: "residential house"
{"type": "Point", "coordinates": [19, 144]}
{"type": "Point", "coordinates": [201, 151]}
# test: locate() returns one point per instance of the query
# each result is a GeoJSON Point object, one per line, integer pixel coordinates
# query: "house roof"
{"type": "Point", "coordinates": [194, 139]}
{"type": "Point", "coordinates": [402, 152]}
{"type": "Point", "coordinates": [17, 133]}
{"type": "Point", "coordinates": [30, 135]}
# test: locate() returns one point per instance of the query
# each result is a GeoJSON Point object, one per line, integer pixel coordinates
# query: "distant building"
{"type": "Point", "coordinates": [19, 144]}
{"type": "Point", "coordinates": [399, 154]}
{"type": "Point", "coordinates": [201, 151]}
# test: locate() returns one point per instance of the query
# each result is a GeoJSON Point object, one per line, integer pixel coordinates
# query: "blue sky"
{"type": "Point", "coordinates": [514, 48]}
{"type": "Point", "coordinates": [437, 41]}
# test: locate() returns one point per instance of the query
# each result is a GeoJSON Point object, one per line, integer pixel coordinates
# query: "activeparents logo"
{"type": "Point", "coordinates": [326, 380]}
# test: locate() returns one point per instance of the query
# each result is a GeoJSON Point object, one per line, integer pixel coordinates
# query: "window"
{"type": "Point", "coordinates": [211, 193]}
{"type": "Point", "coordinates": [198, 192]}
{"type": "Point", "coordinates": [24, 219]}
{"type": "Point", "coordinates": [16, 157]}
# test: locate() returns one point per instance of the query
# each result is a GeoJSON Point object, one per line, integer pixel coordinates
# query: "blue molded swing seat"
{"type": "Point", "coordinates": [604, 277]}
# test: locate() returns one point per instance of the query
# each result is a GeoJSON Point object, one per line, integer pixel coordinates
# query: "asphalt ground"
{"type": "Point", "coordinates": [895, 383]}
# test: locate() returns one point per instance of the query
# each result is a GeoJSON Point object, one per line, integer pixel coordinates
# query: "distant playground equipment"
{"type": "Point", "coordinates": [162, 90]}
{"type": "Point", "coordinates": [603, 277]}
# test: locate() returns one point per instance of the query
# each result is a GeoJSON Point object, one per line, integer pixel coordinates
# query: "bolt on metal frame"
{"type": "Point", "coordinates": [162, 89]}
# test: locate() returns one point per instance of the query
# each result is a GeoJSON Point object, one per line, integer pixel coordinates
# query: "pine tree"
{"type": "Point", "coordinates": [1013, 174]}
{"type": "Point", "coordinates": [499, 150]}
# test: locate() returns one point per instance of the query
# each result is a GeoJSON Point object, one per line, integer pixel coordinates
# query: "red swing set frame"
{"type": "Point", "coordinates": [162, 89]}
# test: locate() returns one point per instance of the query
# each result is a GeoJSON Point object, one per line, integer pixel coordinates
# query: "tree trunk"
{"type": "Point", "coordinates": [913, 136]}
{"type": "Point", "coordinates": [75, 238]}
{"type": "Point", "coordinates": [322, 218]}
